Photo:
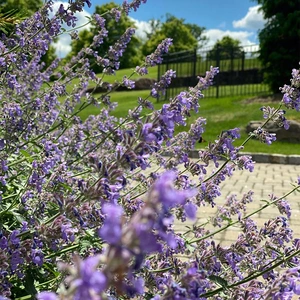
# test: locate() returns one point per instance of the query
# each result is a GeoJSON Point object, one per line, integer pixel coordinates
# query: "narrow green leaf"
{"type": "Point", "coordinates": [27, 156]}
{"type": "Point", "coordinates": [219, 280]}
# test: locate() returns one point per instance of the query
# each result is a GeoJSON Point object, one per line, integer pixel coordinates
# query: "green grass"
{"type": "Point", "coordinates": [221, 114]}
{"type": "Point", "coordinates": [230, 112]}
{"type": "Point", "coordinates": [118, 77]}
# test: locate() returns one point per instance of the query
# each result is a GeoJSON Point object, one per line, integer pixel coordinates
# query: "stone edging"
{"type": "Point", "coordinates": [275, 158]}
{"type": "Point", "coordinates": [263, 158]}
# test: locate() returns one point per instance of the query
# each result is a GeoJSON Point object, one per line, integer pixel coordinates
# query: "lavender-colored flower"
{"type": "Point", "coordinates": [291, 97]}
{"type": "Point", "coordinates": [135, 4]}
{"type": "Point", "coordinates": [111, 230]}
{"type": "Point", "coordinates": [60, 173]}
{"type": "Point", "coordinates": [99, 20]}
{"type": "Point", "coordinates": [168, 195]}
{"type": "Point", "coordinates": [207, 81]}
{"type": "Point", "coordinates": [3, 242]}
{"type": "Point", "coordinates": [141, 70]}
{"type": "Point", "coordinates": [116, 51]}
{"type": "Point", "coordinates": [285, 286]}
{"type": "Point", "coordinates": [223, 147]}
{"type": "Point", "coordinates": [190, 210]}
{"type": "Point", "coordinates": [16, 260]}
{"type": "Point", "coordinates": [90, 281]}
{"type": "Point", "coordinates": [245, 162]}
{"type": "Point", "coordinates": [264, 136]}
{"type": "Point", "coordinates": [2, 144]}
{"type": "Point", "coordinates": [277, 116]}
{"type": "Point", "coordinates": [47, 296]}
{"type": "Point", "coordinates": [283, 206]}
{"type": "Point", "coordinates": [160, 87]}
{"type": "Point", "coordinates": [14, 239]}
{"type": "Point", "coordinates": [130, 84]}
{"type": "Point", "coordinates": [148, 241]}
{"type": "Point", "coordinates": [156, 57]}
{"type": "Point", "coordinates": [68, 232]}
{"type": "Point", "coordinates": [37, 257]}
{"type": "Point", "coordinates": [116, 14]}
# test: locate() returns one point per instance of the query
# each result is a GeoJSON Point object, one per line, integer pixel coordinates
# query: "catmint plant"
{"type": "Point", "coordinates": [88, 209]}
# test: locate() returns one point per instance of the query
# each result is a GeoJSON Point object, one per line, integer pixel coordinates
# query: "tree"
{"type": "Point", "coordinates": [279, 40]}
{"type": "Point", "coordinates": [198, 32]}
{"type": "Point", "coordinates": [185, 36]}
{"type": "Point", "coordinates": [226, 48]}
{"type": "Point", "coordinates": [131, 57]}
{"type": "Point", "coordinates": [27, 7]}
{"type": "Point", "coordinates": [13, 12]}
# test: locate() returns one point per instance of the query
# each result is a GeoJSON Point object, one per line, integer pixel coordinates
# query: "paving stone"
{"type": "Point", "coordinates": [265, 180]}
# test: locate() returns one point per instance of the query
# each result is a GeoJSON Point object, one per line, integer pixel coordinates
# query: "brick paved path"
{"type": "Point", "coordinates": [264, 180]}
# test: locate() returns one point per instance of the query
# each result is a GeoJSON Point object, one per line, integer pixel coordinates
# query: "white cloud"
{"type": "Point", "coordinates": [142, 28]}
{"type": "Point", "coordinates": [253, 20]}
{"type": "Point", "coordinates": [217, 34]}
{"type": "Point", "coordinates": [63, 45]}
{"type": "Point", "coordinates": [245, 37]}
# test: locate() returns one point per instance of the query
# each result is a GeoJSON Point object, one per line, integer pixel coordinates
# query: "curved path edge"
{"type": "Point", "coordinates": [262, 157]}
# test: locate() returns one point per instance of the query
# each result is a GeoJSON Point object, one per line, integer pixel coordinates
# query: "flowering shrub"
{"type": "Point", "coordinates": [79, 216]}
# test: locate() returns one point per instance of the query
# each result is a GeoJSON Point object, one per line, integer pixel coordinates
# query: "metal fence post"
{"type": "Point", "coordinates": [195, 62]}
{"type": "Point", "coordinates": [217, 65]}
{"type": "Point", "coordinates": [239, 71]}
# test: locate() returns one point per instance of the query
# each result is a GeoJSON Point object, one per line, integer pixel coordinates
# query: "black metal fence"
{"type": "Point", "coordinates": [240, 71]}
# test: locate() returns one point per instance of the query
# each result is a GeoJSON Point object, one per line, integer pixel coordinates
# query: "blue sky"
{"type": "Point", "coordinates": [239, 19]}
{"type": "Point", "coordinates": [207, 13]}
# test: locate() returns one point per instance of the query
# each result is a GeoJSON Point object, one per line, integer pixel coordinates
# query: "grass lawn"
{"type": "Point", "coordinates": [221, 114]}
{"type": "Point", "coordinates": [118, 77]}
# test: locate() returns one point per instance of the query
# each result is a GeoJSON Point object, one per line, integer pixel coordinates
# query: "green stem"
{"type": "Point", "coordinates": [67, 249]}
{"type": "Point", "coordinates": [52, 218]}
{"type": "Point", "coordinates": [46, 282]}
{"type": "Point", "coordinates": [24, 297]}
{"type": "Point", "coordinates": [161, 270]}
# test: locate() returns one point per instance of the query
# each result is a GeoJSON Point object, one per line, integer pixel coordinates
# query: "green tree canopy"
{"type": "Point", "coordinates": [26, 7]}
{"type": "Point", "coordinates": [279, 40]}
{"type": "Point", "coordinates": [13, 12]}
{"type": "Point", "coordinates": [131, 57]}
{"type": "Point", "coordinates": [226, 48]}
{"type": "Point", "coordinates": [185, 36]}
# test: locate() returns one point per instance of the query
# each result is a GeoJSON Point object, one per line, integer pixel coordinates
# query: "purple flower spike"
{"type": "Point", "coordinates": [47, 296]}
{"type": "Point", "coordinates": [190, 210]}
{"type": "Point", "coordinates": [88, 283]}
{"type": "Point", "coordinates": [168, 195]}
{"type": "Point", "coordinates": [111, 230]}
{"type": "Point", "coordinates": [156, 57]}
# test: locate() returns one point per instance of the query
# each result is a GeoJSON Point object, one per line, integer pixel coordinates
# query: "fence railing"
{"type": "Point", "coordinates": [240, 70]}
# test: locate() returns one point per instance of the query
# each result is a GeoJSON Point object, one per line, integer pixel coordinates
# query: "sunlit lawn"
{"type": "Point", "coordinates": [221, 114]}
